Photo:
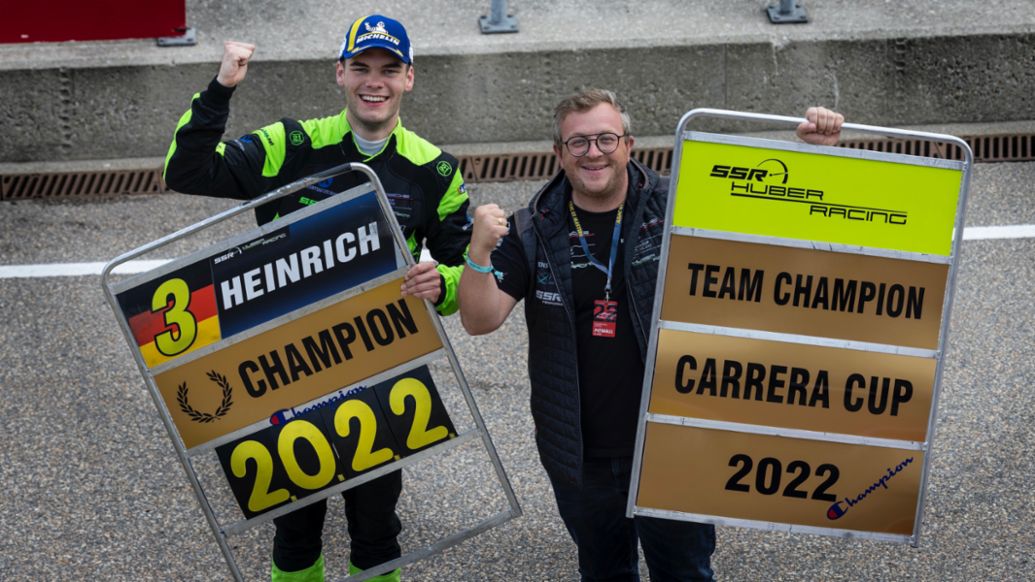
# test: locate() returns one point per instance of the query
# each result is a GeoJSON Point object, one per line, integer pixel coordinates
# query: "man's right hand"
{"type": "Point", "coordinates": [234, 66]}
{"type": "Point", "coordinates": [490, 225]}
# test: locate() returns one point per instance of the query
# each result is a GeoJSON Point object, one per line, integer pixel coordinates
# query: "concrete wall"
{"type": "Point", "coordinates": [107, 112]}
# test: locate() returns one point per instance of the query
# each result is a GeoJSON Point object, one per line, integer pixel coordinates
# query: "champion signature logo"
{"type": "Point", "coordinates": [285, 414]}
{"type": "Point", "coordinates": [840, 508]}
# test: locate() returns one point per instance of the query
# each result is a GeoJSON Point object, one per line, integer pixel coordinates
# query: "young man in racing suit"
{"type": "Point", "coordinates": [424, 186]}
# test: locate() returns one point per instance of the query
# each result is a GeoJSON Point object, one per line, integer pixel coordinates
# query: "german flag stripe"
{"type": "Point", "coordinates": [146, 325]}
{"type": "Point", "coordinates": [208, 333]}
{"type": "Point", "coordinates": [138, 299]}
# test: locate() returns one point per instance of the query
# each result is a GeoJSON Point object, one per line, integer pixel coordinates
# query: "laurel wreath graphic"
{"type": "Point", "coordinates": [205, 417]}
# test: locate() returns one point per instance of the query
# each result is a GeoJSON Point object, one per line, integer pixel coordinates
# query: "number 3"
{"type": "Point", "coordinates": [184, 327]}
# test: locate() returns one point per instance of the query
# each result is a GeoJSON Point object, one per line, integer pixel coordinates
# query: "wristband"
{"type": "Point", "coordinates": [483, 269]}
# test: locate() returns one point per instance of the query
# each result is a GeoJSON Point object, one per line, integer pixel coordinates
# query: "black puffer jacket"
{"type": "Point", "coordinates": [549, 308]}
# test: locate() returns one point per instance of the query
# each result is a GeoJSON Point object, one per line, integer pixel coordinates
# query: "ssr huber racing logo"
{"type": "Point", "coordinates": [768, 180]}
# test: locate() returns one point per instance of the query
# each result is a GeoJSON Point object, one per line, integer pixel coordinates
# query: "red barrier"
{"type": "Point", "coordinates": [62, 20]}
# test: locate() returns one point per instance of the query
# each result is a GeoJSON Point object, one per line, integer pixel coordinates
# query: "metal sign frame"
{"type": "Point", "coordinates": [222, 530]}
{"type": "Point", "coordinates": [684, 134]}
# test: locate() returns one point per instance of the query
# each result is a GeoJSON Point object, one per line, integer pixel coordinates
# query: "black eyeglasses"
{"type": "Point", "coordinates": [607, 142]}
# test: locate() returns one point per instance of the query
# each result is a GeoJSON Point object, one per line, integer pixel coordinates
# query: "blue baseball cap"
{"type": "Point", "coordinates": [377, 31]}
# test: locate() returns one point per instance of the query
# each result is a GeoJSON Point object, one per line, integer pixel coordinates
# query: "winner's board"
{"type": "Point", "coordinates": [801, 319]}
{"type": "Point", "coordinates": [287, 359]}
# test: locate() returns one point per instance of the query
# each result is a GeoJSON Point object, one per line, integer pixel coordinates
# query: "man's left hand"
{"type": "Point", "coordinates": [423, 281]}
{"type": "Point", "coordinates": [821, 126]}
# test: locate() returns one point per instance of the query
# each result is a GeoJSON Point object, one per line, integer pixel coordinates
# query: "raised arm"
{"type": "Point", "coordinates": [199, 162]}
{"type": "Point", "coordinates": [483, 305]}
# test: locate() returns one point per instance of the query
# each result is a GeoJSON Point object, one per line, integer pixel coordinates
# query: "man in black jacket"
{"type": "Point", "coordinates": [595, 232]}
{"type": "Point", "coordinates": [424, 186]}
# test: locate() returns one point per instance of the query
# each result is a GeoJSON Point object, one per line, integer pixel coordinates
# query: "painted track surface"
{"type": "Point", "coordinates": [92, 489]}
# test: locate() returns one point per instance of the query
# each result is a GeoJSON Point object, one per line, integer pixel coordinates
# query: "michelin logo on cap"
{"type": "Point", "coordinates": [377, 31]}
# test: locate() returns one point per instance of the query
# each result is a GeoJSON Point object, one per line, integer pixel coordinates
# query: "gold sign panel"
{"type": "Point", "coordinates": [804, 291]}
{"type": "Point", "coordinates": [792, 385]}
{"type": "Point", "coordinates": [780, 480]}
{"type": "Point", "coordinates": [296, 362]}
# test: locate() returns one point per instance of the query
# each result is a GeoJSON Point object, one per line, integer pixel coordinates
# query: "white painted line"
{"type": "Point", "coordinates": [999, 232]}
{"type": "Point", "coordinates": [75, 269]}
{"type": "Point", "coordinates": [131, 267]}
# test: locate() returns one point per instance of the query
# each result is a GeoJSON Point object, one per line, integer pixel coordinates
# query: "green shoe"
{"type": "Point", "coordinates": [393, 576]}
{"type": "Point", "coordinates": [313, 573]}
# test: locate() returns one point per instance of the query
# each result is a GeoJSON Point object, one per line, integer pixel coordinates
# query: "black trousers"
{"type": "Point", "coordinates": [373, 526]}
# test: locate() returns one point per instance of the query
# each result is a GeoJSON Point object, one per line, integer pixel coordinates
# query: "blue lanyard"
{"type": "Point", "coordinates": [614, 246]}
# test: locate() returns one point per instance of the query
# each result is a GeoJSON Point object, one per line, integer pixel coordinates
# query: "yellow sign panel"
{"type": "Point", "coordinates": [809, 196]}
{"type": "Point", "coordinates": [297, 362]}
{"type": "Point", "coordinates": [780, 480]}
{"type": "Point", "coordinates": [804, 291]}
{"type": "Point", "coordinates": [789, 385]}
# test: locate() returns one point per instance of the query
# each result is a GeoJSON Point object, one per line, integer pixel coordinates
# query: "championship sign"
{"type": "Point", "coordinates": [288, 357]}
{"type": "Point", "coordinates": [793, 367]}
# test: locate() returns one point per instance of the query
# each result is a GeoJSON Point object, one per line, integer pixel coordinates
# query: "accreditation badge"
{"type": "Point", "coordinates": [605, 318]}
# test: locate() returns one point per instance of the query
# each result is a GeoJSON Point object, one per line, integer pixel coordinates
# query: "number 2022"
{"type": "Point", "coordinates": [769, 475]}
{"type": "Point", "coordinates": [365, 456]}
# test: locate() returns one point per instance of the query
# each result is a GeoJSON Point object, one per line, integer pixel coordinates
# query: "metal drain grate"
{"type": "Point", "coordinates": [540, 166]}
{"type": "Point", "coordinates": [508, 167]}
{"type": "Point", "coordinates": [492, 167]}
{"type": "Point", "coordinates": [1003, 148]}
{"type": "Point", "coordinates": [77, 184]}
{"type": "Point", "coordinates": [908, 147]}
{"type": "Point", "coordinates": [986, 148]}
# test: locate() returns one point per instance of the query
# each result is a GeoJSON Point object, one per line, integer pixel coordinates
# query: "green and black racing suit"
{"type": "Point", "coordinates": [426, 191]}
{"type": "Point", "coordinates": [423, 183]}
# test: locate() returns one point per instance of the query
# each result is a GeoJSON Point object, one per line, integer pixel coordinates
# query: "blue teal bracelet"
{"type": "Point", "coordinates": [482, 268]}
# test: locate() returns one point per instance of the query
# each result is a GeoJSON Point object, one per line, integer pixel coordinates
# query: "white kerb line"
{"type": "Point", "coordinates": [999, 232]}
{"type": "Point", "coordinates": [75, 269]}
{"type": "Point", "coordinates": [971, 233]}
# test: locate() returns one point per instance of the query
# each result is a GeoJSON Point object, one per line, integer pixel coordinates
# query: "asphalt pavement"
{"type": "Point", "coordinates": [92, 488]}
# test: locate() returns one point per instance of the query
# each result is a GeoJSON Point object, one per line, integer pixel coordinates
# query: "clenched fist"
{"type": "Point", "coordinates": [234, 65]}
{"type": "Point", "coordinates": [822, 126]}
{"type": "Point", "coordinates": [490, 225]}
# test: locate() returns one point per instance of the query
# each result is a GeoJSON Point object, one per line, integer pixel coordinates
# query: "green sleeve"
{"type": "Point", "coordinates": [447, 304]}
